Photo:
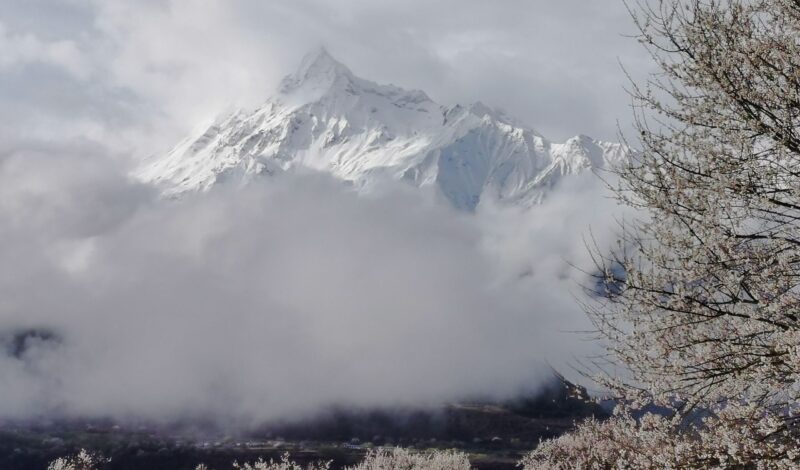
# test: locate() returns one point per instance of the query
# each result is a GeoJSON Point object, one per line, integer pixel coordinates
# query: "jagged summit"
{"type": "Point", "coordinates": [320, 61]}
{"type": "Point", "coordinates": [326, 118]}
{"type": "Point", "coordinates": [318, 69]}
{"type": "Point", "coordinates": [322, 77]}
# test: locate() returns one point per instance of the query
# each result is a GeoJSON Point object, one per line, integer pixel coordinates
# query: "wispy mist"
{"type": "Point", "coordinates": [274, 300]}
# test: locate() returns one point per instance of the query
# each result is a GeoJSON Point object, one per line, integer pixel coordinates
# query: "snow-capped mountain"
{"type": "Point", "coordinates": [325, 118]}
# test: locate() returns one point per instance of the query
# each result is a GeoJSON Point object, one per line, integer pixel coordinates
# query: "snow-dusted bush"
{"type": "Point", "coordinates": [402, 459]}
{"type": "Point", "coordinates": [397, 459]}
{"type": "Point", "coordinates": [83, 460]}
{"type": "Point", "coordinates": [381, 459]}
{"type": "Point", "coordinates": [285, 463]}
{"type": "Point", "coordinates": [731, 439]}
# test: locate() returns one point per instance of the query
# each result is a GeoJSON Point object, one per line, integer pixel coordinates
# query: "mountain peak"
{"type": "Point", "coordinates": [318, 69]}
{"type": "Point", "coordinates": [320, 60]}
{"type": "Point", "coordinates": [327, 119]}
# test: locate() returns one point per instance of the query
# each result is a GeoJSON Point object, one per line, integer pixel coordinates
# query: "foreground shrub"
{"type": "Point", "coordinates": [284, 464]}
{"type": "Point", "coordinates": [402, 459]}
{"type": "Point", "coordinates": [83, 460]}
{"type": "Point", "coordinates": [732, 438]}
{"type": "Point", "coordinates": [382, 459]}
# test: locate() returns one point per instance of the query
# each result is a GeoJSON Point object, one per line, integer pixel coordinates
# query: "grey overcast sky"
{"type": "Point", "coordinates": [135, 75]}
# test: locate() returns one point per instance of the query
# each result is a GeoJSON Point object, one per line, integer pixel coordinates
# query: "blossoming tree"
{"type": "Point", "coordinates": [702, 305]}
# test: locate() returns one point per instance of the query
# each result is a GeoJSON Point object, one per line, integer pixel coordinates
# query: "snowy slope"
{"type": "Point", "coordinates": [325, 118]}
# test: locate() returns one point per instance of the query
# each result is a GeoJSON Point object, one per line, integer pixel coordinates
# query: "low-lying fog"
{"type": "Point", "coordinates": [278, 299]}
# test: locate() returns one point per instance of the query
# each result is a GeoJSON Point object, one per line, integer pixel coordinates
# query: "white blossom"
{"type": "Point", "coordinates": [285, 463]}
{"type": "Point", "coordinates": [402, 459]}
{"type": "Point", "coordinates": [83, 460]}
{"type": "Point", "coordinates": [702, 305]}
{"type": "Point", "coordinates": [380, 459]}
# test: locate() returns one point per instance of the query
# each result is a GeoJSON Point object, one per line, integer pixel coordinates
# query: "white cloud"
{"type": "Point", "coordinates": [26, 48]}
{"type": "Point", "coordinates": [296, 293]}
{"type": "Point", "coordinates": [270, 301]}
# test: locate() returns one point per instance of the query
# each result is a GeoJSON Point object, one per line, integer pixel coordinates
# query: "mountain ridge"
{"type": "Point", "coordinates": [325, 118]}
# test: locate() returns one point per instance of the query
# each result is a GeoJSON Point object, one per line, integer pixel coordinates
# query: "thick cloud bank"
{"type": "Point", "coordinates": [273, 300]}
{"type": "Point", "coordinates": [293, 293]}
